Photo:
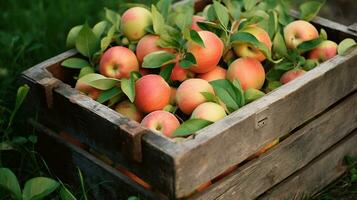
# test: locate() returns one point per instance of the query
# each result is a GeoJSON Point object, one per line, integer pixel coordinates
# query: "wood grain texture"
{"type": "Point", "coordinates": [318, 174]}
{"type": "Point", "coordinates": [257, 176]}
{"type": "Point", "coordinates": [103, 181]}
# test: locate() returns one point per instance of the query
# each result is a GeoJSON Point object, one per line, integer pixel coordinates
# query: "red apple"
{"type": "Point", "coordinates": [134, 21]}
{"type": "Point", "coordinates": [215, 74]}
{"type": "Point", "coordinates": [88, 90]}
{"type": "Point", "coordinates": [161, 121]}
{"type": "Point", "coordinates": [207, 57]}
{"type": "Point", "coordinates": [180, 74]}
{"type": "Point", "coordinates": [129, 110]}
{"type": "Point", "coordinates": [291, 75]}
{"type": "Point", "coordinates": [189, 94]}
{"type": "Point", "coordinates": [209, 111]}
{"type": "Point", "coordinates": [151, 93]}
{"type": "Point", "coordinates": [248, 71]}
{"type": "Point", "coordinates": [118, 62]}
{"type": "Point", "coordinates": [195, 19]}
{"type": "Point", "coordinates": [148, 45]}
{"type": "Point", "coordinates": [298, 32]}
{"type": "Point", "coordinates": [324, 51]}
{"type": "Point", "coordinates": [247, 50]}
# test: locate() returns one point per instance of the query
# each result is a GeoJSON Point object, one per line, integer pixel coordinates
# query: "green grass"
{"type": "Point", "coordinates": [35, 30]}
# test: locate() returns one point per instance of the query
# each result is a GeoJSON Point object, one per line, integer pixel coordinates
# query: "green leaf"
{"type": "Point", "coordinates": [252, 94]}
{"type": "Point", "coordinates": [323, 34]}
{"type": "Point", "coordinates": [87, 43]}
{"type": "Point", "coordinates": [133, 198]}
{"type": "Point", "coordinates": [9, 182]}
{"type": "Point", "coordinates": [128, 85]}
{"type": "Point", "coordinates": [72, 36]}
{"type": "Point", "coordinates": [39, 187]}
{"type": "Point", "coordinates": [65, 194]}
{"type": "Point", "coordinates": [158, 21]}
{"type": "Point", "coordinates": [100, 28]}
{"type": "Point", "coordinates": [234, 8]}
{"type": "Point", "coordinates": [210, 97]}
{"type": "Point", "coordinates": [166, 72]}
{"type": "Point", "coordinates": [190, 126]}
{"type": "Point", "coordinates": [279, 46]}
{"type": "Point", "coordinates": [309, 45]}
{"type": "Point", "coordinates": [272, 85]}
{"type": "Point", "coordinates": [239, 92]}
{"type": "Point", "coordinates": [157, 59]}
{"type": "Point", "coordinates": [99, 81]}
{"type": "Point", "coordinates": [164, 7]}
{"type": "Point", "coordinates": [108, 94]}
{"type": "Point", "coordinates": [196, 38]}
{"type": "Point", "coordinates": [286, 66]}
{"type": "Point", "coordinates": [188, 61]}
{"type": "Point", "coordinates": [221, 13]}
{"type": "Point", "coordinates": [309, 10]}
{"type": "Point", "coordinates": [113, 17]}
{"type": "Point", "coordinates": [249, 4]}
{"type": "Point", "coordinates": [85, 70]}
{"type": "Point", "coordinates": [227, 93]}
{"type": "Point", "coordinates": [75, 63]}
{"type": "Point", "coordinates": [20, 97]}
{"type": "Point", "coordinates": [345, 45]}
{"type": "Point", "coordinates": [274, 74]}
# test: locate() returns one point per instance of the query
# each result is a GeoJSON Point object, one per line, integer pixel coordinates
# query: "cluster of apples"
{"type": "Point", "coordinates": [154, 97]}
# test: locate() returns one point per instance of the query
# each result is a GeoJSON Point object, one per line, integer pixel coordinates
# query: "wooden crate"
{"type": "Point", "coordinates": [177, 169]}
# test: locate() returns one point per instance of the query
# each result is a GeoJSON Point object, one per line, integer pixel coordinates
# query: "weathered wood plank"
{"type": "Point", "coordinates": [104, 181]}
{"type": "Point", "coordinates": [257, 176]}
{"type": "Point", "coordinates": [318, 174]}
{"type": "Point", "coordinates": [285, 109]}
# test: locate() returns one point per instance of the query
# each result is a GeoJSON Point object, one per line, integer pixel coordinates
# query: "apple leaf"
{"type": "Point", "coordinates": [221, 13]}
{"type": "Point", "coordinates": [286, 66]}
{"type": "Point", "coordinates": [108, 94]}
{"type": "Point", "coordinates": [75, 63]}
{"type": "Point", "coordinates": [196, 38]}
{"type": "Point", "coordinates": [190, 126]}
{"type": "Point", "coordinates": [249, 4]}
{"type": "Point", "coordinates": [158, 21]}
{"type": "Point", "coordinates": [345, 45]}
{"type": "Point", "coordinates": [87, 43]}
{"type": "Point", "coordinates": [323, 34]}
{"type": "Point", "coordinates": [9, 183]}
{"type": "Point", "coordinates": [272, 85]}
{"type": "Point", "coordinates": [99, 81]}
{"type": "Point", "coordinates": [100, 28]}
{"type": "Point", "coordinates": [166, 72]}
{"type": "Point", "coordinates": [85, 70]}
{"type": "Point", "coordinates": [164, 6]}
{"type": "Point", "coordinates": [113, 17]}
{"type": "Point", "coordinates": [228, 94]}
{"type": "Point", "coordinates": [210, 97]}
{"type": "Point", "coordinates": [279, 47]}
{"type": "Point", "coordinates": [72, 36]}
{"type": "Point", "coordinates": [309, 10]}
{"type": "Point", "coordinates": [38, 188]}
{"type": "Point", "coordinates": [274, 74]}
{"type": "Point", "coordinates": [239, 92]}
{"type": "Point", "coordinates": [128, 85]}
{"type": "Point", "coordinates": [158, 59]}
{"type": "Point", "coordinates": [188, 61]}
{"type": "Point", "coordinates": [309, 45]}
{"type": "Point", "coordinates": [234, 8]}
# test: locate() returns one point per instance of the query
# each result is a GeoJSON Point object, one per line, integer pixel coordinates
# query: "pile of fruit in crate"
{"type": "Point", "coordinates": [176, 71]}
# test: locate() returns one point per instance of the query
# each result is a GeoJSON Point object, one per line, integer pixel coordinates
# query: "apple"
{"type": "Point", "coordinates": [118, 62]}
{"type": "Point", "coordinates": [134, 21]}
{"type": "Point", "coordinates": [249, 71]}
{"type": "Point", "coordinates": [148, 45]}
{"type": "Point", "coordinates": [129, 110]}
{"type": "Point", "coordinates": [291, 75]}
{"type": "Point", "coordinates": [180, 74]}
{"type": "Point", "coordinates": [189, 94]}
{"type": "Point", "coordinates": [207, 57]}
{"type": "Point", "coordinates": [209, 111]}
{"type": "Point", "coordinates": [215, 74]}
{"type": "Point", "coordinates": [151, 93]}
{"type": "Point", "coordinates": [195, 19]}
{"type": "Point", "coordinates": [324, 51]}
{"type": "Point", "coordinates": [298, 32]}
{"type": "Point", "coordinates": [247, 50]}
{"type": "Point", "coordinates": [162, 122]}
{"type": "Point", "coordinates": [88, 90]}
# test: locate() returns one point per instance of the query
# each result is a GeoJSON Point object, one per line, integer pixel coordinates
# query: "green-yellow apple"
{"type": "Point", "coordinates": [151, 93]}
{"type": "Point", "coordinates": [161, 121]}
{"type": "Point", "coordinates": [134, 21]}
{"type": "Point", "coordinates": [189, 94]}
{"type": "Point", "coordinates": [215, 74]}
{"type": "Point", "coordinates": [291, 75]}
{"type": "Point", "coordinates": [195, 19]}
{"type": "Point", "coordinates": [243, 49]}
{"type": "Point", "coordinates": [129, 110]}
{"type": "Point", "coordinates": [298, 32]}
{"type": "Point", "coordinates": [324, 51]}
{"type": "Point", "coordinates": [209, 111]}
{"type": "Point", "coordinates": [252, 94]}
{"type": "Point", "coordinates": [147, 45]}
{"type": "Point", "coordinates": [118, 62]}
{"type": "Point", "coordinates": [207, 57]}
{"type": "Point", "coordinates": [249, 71]}
{"type": "Point", "coordinates": [88, 90]}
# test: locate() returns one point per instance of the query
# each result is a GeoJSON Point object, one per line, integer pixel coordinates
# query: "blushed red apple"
{"type": "Point", "coordinates": [298, 32]}
{"type": "Point", "coordinates": [161, 121]}
{"type": "Point", "coordinates": [129, 110]}
{"type": "Point", "coordinates": [209, 111]}
{"type": "Point", "coordinates": [134, 21]}
{"type": "Point", "coordinates": [215, 74]}
{"type": "Point", "coordinates": [291, 75]}
{"type": "Point", "coordinates": [324, 51]}
{"type": "Point", "coordinates": [148, 45]}
{"type": "Point", "coordinates": [88, 90]}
